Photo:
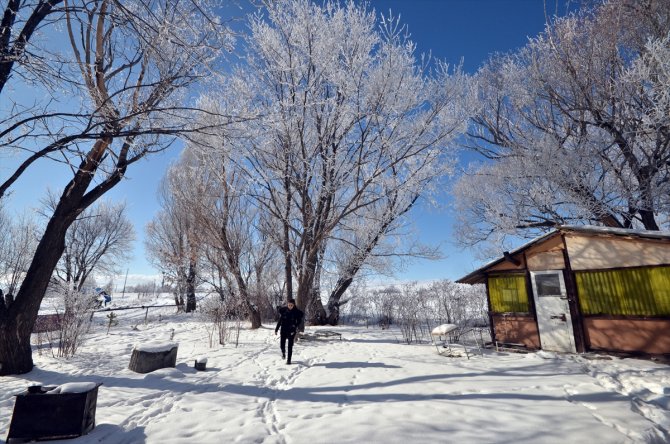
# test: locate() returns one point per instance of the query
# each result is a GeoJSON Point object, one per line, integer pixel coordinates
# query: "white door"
{"type": "Point", "coordinates": [553, 311]}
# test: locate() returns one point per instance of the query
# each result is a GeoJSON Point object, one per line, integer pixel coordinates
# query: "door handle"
{"type": "Point", "coordinates": [561, 317]}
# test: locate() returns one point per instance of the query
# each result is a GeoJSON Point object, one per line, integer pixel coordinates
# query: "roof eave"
{"type": "Point", "coordinates": [479, 275]}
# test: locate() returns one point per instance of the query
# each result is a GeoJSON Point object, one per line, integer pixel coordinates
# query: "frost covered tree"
{"type": "Point", "coordinates": [107, 83]}
{"type": "Point", "coordinates": [374, 243]}
{"type": "Point", "coordinates": [173, 243]}
{"type": "Point", "coordinates": [344, 125]}
{"type": "Point", "coordinates": [575, 127]}
{"type": "Point", "coordinates": [233, 240]}
{"type": "Point", "coordinates": [20, 46]}
{"type": "Point", "coordinates": [99, 239]}
{"type": "Point", "coordinates": [18, 239]}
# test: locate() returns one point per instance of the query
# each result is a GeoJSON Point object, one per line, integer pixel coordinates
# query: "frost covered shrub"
{"type": "Point", "coordinates": [460, 304]}
{"type": "Point", "coordinates": [74, 310]}
{"type": "Point", "coordinates": [376, 307]}
{"type": "Point", "coordinates": [222, 318]}
{"type": "Point", "coordinates": [384, 304]}
{"type": "Point", "coordinates": [417, 308]}
{"type": "Point", "coordinates": [411, 314]}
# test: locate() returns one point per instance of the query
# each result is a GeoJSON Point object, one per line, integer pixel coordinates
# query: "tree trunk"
{"type": "Point", "coordinates": [334, 299]}
{"type": "Point", "coordinates": [302, 297]}
{"type": "Point", "coordinates": [254, 315]}
{"type": "Point", "coordinates": [233, 260]}
{"type": "Point", "coordinates": [317, 312]}
{"type": "Point", "coordinates": [179, 290]}
{"type": "Point", "coordinates": [648, 220]}
{"type": "Point", "coordinates": [252, 310]}
{"type": "Point", "coordinates": [314, 305]}
{"type": "Point", "coordinates": [308, 276]}
{"type": "Point", "coordinates": [178, 301]}
{"type": "Point", "coordinates": [333, 314]}
{"type": "Point", "coordinates": [190, 288]}
{"type": "Point", "coordinates": [15, 352]}
{"type": "Point", "coordinates": [288, 266]}
{"type": "Point", "coordinates": [609, 220]}
{"type": "Point", "coordinates": [17, 321]}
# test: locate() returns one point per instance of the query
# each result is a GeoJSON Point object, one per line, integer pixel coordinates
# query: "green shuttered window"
{"type": "Point", "coordinates": [508, 294]}
{"type": "Point", "coordinates": [633, 292]}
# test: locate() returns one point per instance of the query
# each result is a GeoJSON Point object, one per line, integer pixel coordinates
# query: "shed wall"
{"type": "Point", "coordinates": [550, 260]}
{"type": "Point", "coordinates": [628, 335]}
{"type": "Point", "coordinates": [594, 253]}
{"type": "Point", "coordinates": [516, 329]}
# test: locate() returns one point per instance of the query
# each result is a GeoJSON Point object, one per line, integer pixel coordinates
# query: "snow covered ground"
{"type": "Point", "coordinates": [366, 387]}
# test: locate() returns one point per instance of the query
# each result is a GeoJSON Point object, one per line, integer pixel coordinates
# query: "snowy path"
{"type": "Point", "coordinates": [364, 388]}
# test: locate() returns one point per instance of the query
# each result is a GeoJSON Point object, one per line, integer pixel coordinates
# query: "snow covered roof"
{"type": "Point", "coordinates": [478, 276]}
{"type": "Point", "coordinates": [592, 229]}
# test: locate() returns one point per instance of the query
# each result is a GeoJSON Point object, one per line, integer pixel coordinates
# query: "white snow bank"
{"type": "Point", "coordinates": [370, 388]}
{"type": "Point", "coordinates": [201, 360]}
{"type": "Point", "coordinates": [73, 387]}
{"type": "Point", "coordinates": [156, 347]}
{"type": "Point", "coordinates": [545, 354]}
{"type": "Point", "coordinates": [167, 372]}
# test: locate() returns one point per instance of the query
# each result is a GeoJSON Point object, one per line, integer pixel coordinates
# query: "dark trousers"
{"type": "Point", "coordinates": [284, 336]}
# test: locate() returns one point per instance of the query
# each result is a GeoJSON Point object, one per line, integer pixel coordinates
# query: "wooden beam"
{"type": "Point", "coordinates": [510, 258]}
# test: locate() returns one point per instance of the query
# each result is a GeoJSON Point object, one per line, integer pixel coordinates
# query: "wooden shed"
{"type": "Point", "coordinates": [582, 288]}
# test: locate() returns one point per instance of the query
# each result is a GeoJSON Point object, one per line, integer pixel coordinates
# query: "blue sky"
{"type": "Point", "coordinates": [452, 30]}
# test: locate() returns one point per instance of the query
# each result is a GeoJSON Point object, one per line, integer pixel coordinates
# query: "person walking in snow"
{"type": "Point", "coordinates": [290, 318]}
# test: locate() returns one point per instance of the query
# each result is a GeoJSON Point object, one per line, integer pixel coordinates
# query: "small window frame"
{"type": "Point", "coordinates": [539, 286]}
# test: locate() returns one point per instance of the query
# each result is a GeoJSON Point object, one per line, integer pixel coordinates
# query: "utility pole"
{"type": "Point", "coordinates": [123, 293]}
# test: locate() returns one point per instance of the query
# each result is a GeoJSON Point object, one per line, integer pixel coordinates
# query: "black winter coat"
{"type": "Point", "coordinates": [289, 320]}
